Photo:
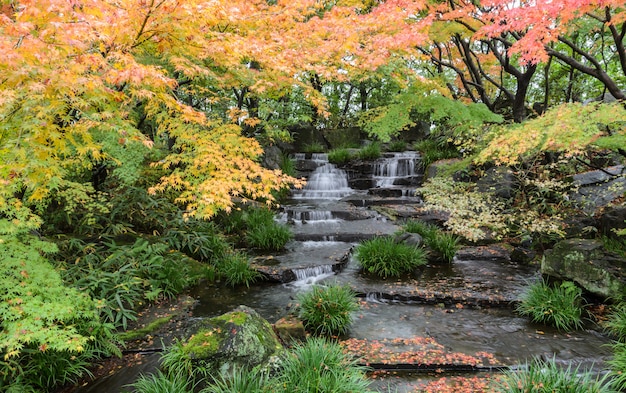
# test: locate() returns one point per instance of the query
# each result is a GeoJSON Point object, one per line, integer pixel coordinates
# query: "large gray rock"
{"type": "Point", "coordinates": [238, 339]}
{"type": "Point", "coordinates": [587, 263]}
{"type": "Point", "coordinates": [499, 181]}
{"type": "Point", "coordinates": [599, 188]}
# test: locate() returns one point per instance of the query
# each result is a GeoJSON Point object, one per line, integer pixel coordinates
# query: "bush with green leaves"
{"type": "Point", "coordinates": [615, 245]}
{"type": "Point", "coordinates": [547, 376]}
{"type": "Point", "coordinates": [200, 240]}
{"type": "Point", "coordinates": [339, 156]}
{"type": "Point", "coordinates": [397, 145]}
{"type": "Point", "coordinates": [370, 151]}
{"type": "Point", "coordinates": [259, 228]}
{"type": "Point", "coordinates": [432, 150]}
{"type": "Point", "coordinates": [160, 382]}
{"type": "Point", "coordinates": [313, 147]}
{"type": "Point", "coordinates": [125, 276]}
{"type": "Point", "coordinates": [48, 331]}
{"type": "Point", "coordinates": [319, 365]}
{"type": "Point", "coordinates": [617, 365]}
{"type": "Point", "coordinates": [271, 237]}
{"type": "Point", "coordinates": [236, 269]}
{"type": "Point", "coordinates": [616, 323]}
{"type": "Point", "coordinates": [559, 306]}
{"type": "Point", "coordinates": [327, 310]}
{"type": "Point", "coordinates": [386, 258]}
{"type": "Point", "coordinates": [240, 381]}
{"type": "Point", "coordinates": [443, 244]}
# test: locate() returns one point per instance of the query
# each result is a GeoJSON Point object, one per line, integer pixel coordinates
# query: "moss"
{"type": "Point", "coordinates": [144, 331]}
{"type": "Point", "coordinates": [236, 317]}
{"type": "Point", "coordinates": [204, 343]}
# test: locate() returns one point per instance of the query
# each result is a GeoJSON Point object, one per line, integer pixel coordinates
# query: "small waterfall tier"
{"type": "Point", "coordinates": [326, 182]}
{"type": "Point", "coordinates": [307, 216]}
{"type": "Point", "coordinates": [399, 169]}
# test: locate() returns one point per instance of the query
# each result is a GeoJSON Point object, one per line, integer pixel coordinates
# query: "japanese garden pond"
{"type": "Point", "coordinates": [463, 310]}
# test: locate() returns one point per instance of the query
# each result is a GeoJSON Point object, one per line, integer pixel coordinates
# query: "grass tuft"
{"type": "Point", "coordinates": [339, 156]}
{"type": "Point", "coordinates": [327, 310]}
{"type": "Point", "coordinates": [386, 258]}
{"type": "Point", "coordinates": [319, 365]}
{"type": "Point", "coordinates": [546, 376]}
{"type": "Point", "coordinates": [557, 306]}
{"type": "Point", "coordinates": [237, 270]}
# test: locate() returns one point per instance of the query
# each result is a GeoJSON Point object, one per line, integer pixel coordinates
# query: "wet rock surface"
{"type": "Point", "coordinates": [240, 339]}
{"type": "Point", "coordinates": [587, 263]}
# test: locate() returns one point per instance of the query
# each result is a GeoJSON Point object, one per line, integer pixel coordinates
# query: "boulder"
{"type": "Point", "coordinates": [438, 167]}
{"type": "Point", "coordinates": [612, 218]}
{"type": "Point", "coordinates": [596, 189]}
{"type": "Point", "coordinates": [238, 339]}
{"type": "Point", "coordinates": [411, 239]}
{"type": "Point", "coordinates": [499, 181]}
{"type": "Point", "coordinates": [290, 329]}
{"type": "Point", "coordinates": [587, 263]}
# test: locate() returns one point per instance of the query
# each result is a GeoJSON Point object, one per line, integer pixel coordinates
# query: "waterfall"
{"type": "Point", "coordinates": [314, 271]}
{"type": "Point", "coordinates": [400, 166]}
{"type": "Point", "coordinates": [307, 216]}
{"type": "Point", "coordinates": [326, 182]}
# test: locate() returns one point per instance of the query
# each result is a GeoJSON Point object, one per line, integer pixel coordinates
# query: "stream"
{"type": "Point", "coordinates": [465, 306]}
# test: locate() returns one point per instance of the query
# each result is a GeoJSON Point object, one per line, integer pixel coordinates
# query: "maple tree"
{"type": "Point", "coordinates": [178, 97]}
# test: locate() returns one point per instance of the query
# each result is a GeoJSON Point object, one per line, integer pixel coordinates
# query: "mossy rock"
{"type": "Point", "coordinates": [238, 339]}
{"type": "Point", "coordinates": [587, 263]}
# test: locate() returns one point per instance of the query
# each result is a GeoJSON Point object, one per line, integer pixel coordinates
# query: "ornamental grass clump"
{"type": "Point", "coordinates": [546, 376]}
{"type": "Point", "coordinates": [236, 270]}
{"type": "Point", "coordinates": [319, 365]}
{"type": "Point", "coordinates": [443, 244]}
{"type": "Point", "coordinates": [326, 310]}
{"type": "Point", "coordinates": [616, 324]}
{"type": "Point", "coordinates": [370, 152]}
{"type": "Point", "coordinates": [162, 383]}
{"type": "Point", "coordinates": [339, 156]}
{"type": "Point", "coordinates": [559, 306]}
{"type": "Point", "coordinates": [386, 258]}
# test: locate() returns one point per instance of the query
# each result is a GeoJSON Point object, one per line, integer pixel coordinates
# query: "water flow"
{"type": "Point", "coordinates": [308, 276]}
{"type": "Point", "coordinates": [326, 182]}
{"type": "Point", "coordinates": [306, 216]}
{"type": "Point", "coordinates": [400, 166]}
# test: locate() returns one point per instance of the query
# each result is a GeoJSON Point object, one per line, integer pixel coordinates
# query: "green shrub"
{"type": "Point", "coordinates": [386, 258]}
{"type": "Point", "coordinates": [270, 237]}
{"type": "Point", "coordinates": [432, 150]}
{"type": "Point", "coordinates": [618, 246]}
{"type": "Point", "coordinates": [199, 240]}
{"type": "Point", "coordinates": [616, 324]}
{"type": "Point", "coordinates": [617, 365]}
{"type": "Point", "coordinates": [557, 306]}
{"type": "Point", "coordinates": [339, 156]}
{"type": "Point", "coordinates": [240, 381]}
{"type": "Point", "coordinates": [162, 383]}
{"type": "Point", "coordinates": [236, 269]}
{"type": "Point", "coordinates": [175, 360]}
{"type": "Point", "coordinates": [319, 366]}
{"type": "Point", "coordinates": [327, 310]}
{"type": "Point", "coordinates": [258, 227]}
{"type": "Point", "coordinates": [442, 243]}
{"type": "Point", "coordinates": [422, 228]}
{"type": "Point", "coordinates": [287, 165]}
{"type": "Point", "coordinates": [313, 147]}
{"type": "Point", "coordinates": [370, 152]}
{"type": "Point", "coordinates": [397, 146]}
{"type": "Point", "coordinates": [546, 376]}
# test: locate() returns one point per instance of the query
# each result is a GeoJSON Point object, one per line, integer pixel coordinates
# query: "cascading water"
{"type": "Point", "coordinates": [307, 216]}
{"type": "Point", "coordinates": [326, 182]}
{"type": "Point", "coordinates": [400, 167]}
